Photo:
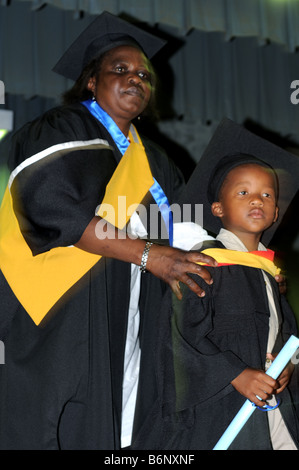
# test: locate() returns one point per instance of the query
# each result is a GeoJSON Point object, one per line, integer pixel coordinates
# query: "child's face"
{"type": "Point", "coordinates": [247, 200]}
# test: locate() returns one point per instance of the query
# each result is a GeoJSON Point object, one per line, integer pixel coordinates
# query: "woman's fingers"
{"type": "Point", "coordinates": [193, 286]}
{"type": "Point", "coordinates": [174, 266]}
{"type": "Point", "coordinates": [203, 258]}
{"type": "Point", "coordinates": [175, 287]}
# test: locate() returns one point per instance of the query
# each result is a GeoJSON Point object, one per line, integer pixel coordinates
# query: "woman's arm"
{"type": "Point", "coordinates": [167, 263]}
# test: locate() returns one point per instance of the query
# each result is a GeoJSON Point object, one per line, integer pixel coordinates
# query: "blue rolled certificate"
{"type": "Point", "coordinates": [248, 408]}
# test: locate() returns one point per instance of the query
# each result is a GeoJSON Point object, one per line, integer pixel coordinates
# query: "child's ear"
{"type": "Point", "coordinates": [217, 209]}
{"type": "Point", "coordinates": [276, 214]}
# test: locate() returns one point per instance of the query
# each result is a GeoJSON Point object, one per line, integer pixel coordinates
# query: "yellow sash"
{"type": "Point", "coordinates": [39, 281]}
{"type": "Point", "coordinates": [255, 259]}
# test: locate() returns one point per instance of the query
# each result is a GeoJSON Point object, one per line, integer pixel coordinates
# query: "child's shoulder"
{"type": "Point", "coordinates": [208, 245]}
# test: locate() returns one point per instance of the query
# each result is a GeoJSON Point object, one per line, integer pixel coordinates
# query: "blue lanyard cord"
{"type": "Point", "coordinates": [122, 144]}
{"type": "Point", "coordinates": [104, 118]}
{"type": "Point", "coordinates": [163, 204]}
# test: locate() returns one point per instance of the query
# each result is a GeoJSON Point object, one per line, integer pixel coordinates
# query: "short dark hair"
{"type": "Point", "coordinates": [228, 163]}
{"type": "Point", "coordinates": [266, 167]}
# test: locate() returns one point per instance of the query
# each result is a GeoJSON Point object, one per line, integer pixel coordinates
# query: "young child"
{"type": "Point", "coordinates": [213, 351]}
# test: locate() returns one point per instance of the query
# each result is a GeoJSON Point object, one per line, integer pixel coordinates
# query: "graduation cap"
{"type": "Point", "coordinates": [230, 142]}
{"type": "Point", "coordinates": [104, 33]}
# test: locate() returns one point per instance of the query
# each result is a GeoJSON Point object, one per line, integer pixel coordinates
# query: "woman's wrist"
{"type": "Point", "coordinates": [144, 257]}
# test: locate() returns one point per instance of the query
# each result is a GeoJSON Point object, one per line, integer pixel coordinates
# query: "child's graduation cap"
{"type": "Point", "coordinates": [104, 33]}
{"type": "Point", "coordinates": [231, 139]}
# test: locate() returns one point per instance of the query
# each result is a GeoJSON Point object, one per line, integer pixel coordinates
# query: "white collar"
{"type": "Point", "coordinates": [232, 242]}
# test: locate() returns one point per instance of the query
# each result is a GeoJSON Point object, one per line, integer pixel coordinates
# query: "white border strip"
{"type": "Point", "coordinates": [56, 149]}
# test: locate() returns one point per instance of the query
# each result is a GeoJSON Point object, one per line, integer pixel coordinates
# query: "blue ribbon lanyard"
{"type": "Point", "coordinates": [122, 144]}
{"type": "Point", "coordinates": [163, 204]}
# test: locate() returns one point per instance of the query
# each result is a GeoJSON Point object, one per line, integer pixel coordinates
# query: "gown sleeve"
{"type": "Point", "coordinates": [289, 319]}
{"type": "Point", "coordinates": [193, 365]}
{"type": "Point", "coordinates": [59, 175]}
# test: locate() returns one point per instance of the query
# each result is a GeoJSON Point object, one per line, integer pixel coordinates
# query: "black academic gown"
{"type": "Point", "coordinates": [61, 384]}
{"type": "Point", "coordinates": [203, 344]}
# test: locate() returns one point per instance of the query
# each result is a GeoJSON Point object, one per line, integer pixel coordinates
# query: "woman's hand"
{"type": "Point", "coordinates": [173, 265]}
{"type": "Point", "coordinates": [169, 264]}
{"type": "Point", "coordinates": [254, 383]}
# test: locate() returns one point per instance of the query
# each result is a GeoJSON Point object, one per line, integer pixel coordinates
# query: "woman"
{"type": "Point", "coordinates": [73, 381]}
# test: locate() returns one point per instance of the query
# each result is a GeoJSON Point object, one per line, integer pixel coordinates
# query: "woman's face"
{"type": "Point", "coordinates": [123, 85]}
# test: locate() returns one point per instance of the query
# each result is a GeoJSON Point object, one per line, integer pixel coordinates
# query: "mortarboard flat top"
{"type": "Point", "coordinates": [231, 138]}
{"type": "Point", "coordinates": [105, 32]}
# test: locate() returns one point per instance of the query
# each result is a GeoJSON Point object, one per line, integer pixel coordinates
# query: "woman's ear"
{"type": "Point", "coordinates": [217, 209]}
{"type": "Point", "coordinates": [91, 85]}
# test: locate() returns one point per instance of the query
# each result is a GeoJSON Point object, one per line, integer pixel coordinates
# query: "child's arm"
{"type": "Point", "coordinates": [252, 383]}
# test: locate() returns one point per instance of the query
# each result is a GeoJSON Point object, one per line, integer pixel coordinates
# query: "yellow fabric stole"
{"type": "Point", "coordinates": [255, 259]}
{"type": "Point", "coordinates": [39, 281]}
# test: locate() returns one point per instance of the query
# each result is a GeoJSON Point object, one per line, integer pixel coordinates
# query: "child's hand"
{"type": "Point", "coordinates": [285, 376]}
{"type": "Point", "coordinates": [253, 383]}
{"type": "Point", "coordinates": [282, 283]}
